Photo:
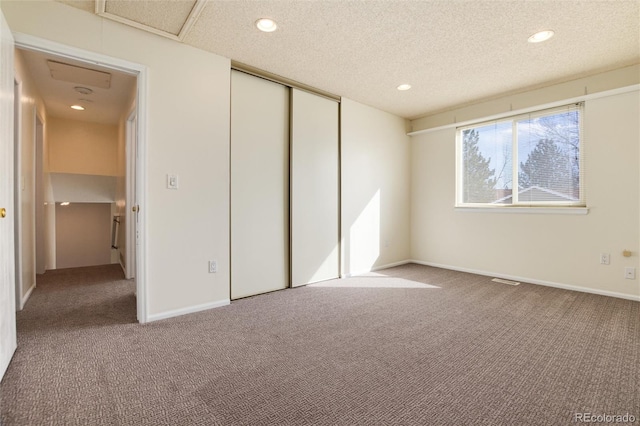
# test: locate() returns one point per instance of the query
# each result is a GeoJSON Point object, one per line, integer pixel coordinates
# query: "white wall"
{"type": "Point", "coordinates": [83, 235]}
{"type": "Point", "coordinates": [375, 188]}
{"type": "Point", "coordinates": [81, 188]}
{"type": "Point", "coordinates": [187, 134]}
{"type": "Point", "coordinates": [551, 248]}
{"type": "Point", "coordinates": [82, 148]}
{"type": "Point", "coordinates": [621, 77]}
{"type": "Point", "coordinates": [30, 104]}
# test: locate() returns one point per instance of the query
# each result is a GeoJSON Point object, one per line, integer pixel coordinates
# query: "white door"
{"type": "Point", "coordinates": [259, 185]}
{"type": "Point", "coordinates": [7, 265]}
{"type": "Point", "coordinates": [314, 189]}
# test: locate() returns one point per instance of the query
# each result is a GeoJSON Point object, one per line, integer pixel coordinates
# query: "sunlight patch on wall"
{"type": "Point", "coordinates": [328, 266]}
{"type": "Point", "coordinates": [365, 237]}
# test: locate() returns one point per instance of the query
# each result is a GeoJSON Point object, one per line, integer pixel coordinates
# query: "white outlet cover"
{"type": "Point", "coordinates": [630, 273]}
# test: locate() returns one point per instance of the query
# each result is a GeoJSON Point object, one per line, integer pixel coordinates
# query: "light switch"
{"type": "Point", "coordinates": [172, 181]}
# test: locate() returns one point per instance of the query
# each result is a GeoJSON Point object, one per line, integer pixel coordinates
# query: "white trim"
{"type": "Point", "coordinates": [377, 268]}
{"type": "Point", "coordinates": [533, 281]}
{"type": "Point", "coordinates": [141, 195]}
{"type": "Point", "coordinates": [29, 42]}
{"type": "Point", "coordinates": [26, 297]}
{"type": "Point", "coordinates": [192, 18]}
{"type": "Point", "coordinates": [124, 271]}
{"type": "Point", "coordinates": [563, 102]}
{"type": "Point", "coordinates": [524, 210]}
{"type": "Point", "coordinates": [130, 190]}
{"type": "Point", "coordinates": [38, 179]}
{"type": "Point", "coordinates": [17, 143]}
{"type": "Point", "coordinates": [37, 44]}
{"type": "Point", "coordinates": [189, 310]}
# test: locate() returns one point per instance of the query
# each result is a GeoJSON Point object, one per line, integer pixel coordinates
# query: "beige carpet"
{"type": "Point", "coordinates": [412, 345]}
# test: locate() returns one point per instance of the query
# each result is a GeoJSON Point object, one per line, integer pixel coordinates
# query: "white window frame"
{"type": "Point", "coordinates": [578, 207]}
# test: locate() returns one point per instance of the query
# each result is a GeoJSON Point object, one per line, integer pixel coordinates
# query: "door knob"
{"type": "Point", "coordinates": [3, 212]}
{"type": "Point", "coordinates": [133, 209]}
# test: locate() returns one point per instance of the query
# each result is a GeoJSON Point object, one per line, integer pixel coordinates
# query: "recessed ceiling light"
{"type": "Point", "coordinates": [77, 107]}
{"type": "Point", "coordinates": [404, 87]}
{"type": "Point", "coordinates": [267, 25]}
{"type": "Point", "coordinates": [541, 36]}
{"type": "Point", "coordinates": [64, 203]}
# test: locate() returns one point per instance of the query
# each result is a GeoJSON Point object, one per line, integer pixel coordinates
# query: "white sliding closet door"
{"type": "Point", "coordinates": [259, 185]}
{"type": "Point", "coordinates": [314, 189]}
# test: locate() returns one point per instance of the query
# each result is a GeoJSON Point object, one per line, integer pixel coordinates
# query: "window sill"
{"type": "Point", "coordinates": [524, 210]}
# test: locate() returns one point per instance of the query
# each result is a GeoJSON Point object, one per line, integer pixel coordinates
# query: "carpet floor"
{"type": "Point", "coordinates": [411, 345]}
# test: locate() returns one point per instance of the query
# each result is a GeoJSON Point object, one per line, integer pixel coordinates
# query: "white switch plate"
{"type": "Point", "coordinates": [172, 181]}
{"type": "Point", "coordinates": [605, 258]}
{"type": "Point", "coordinates": [213, 267]}
{"type": "Point", "coordinates": [630, 273]}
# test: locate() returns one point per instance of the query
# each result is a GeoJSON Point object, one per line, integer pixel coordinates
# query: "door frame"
{"type": "Point", "coordinates": [17, 190]}
{"type": "Point", "coordinates": [131, 150]}
{"type": "Point", "coordinates": [38, 192]}
{"type": "Point", "coordinates": [29, 42]}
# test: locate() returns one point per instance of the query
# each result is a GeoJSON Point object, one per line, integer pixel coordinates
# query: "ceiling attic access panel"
{"type": "Point", "coordinates": [168, 18]}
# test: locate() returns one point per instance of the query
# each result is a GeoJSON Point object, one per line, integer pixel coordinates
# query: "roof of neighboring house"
{"type": "Point", "coordinates": [536, 193]}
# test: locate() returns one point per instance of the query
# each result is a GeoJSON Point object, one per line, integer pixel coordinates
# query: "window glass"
{"type": "Point", "coordinates": [539, 154]}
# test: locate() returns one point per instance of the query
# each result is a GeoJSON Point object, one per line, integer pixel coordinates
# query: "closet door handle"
{"type": "Point", "coordinates": [3, 212]}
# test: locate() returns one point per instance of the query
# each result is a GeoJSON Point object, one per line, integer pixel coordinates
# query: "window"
{"type": "Point", "coordinates": [537, 153]}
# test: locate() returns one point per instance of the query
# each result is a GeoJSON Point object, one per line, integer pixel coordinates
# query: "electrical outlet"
{"type": "Point", "coordinates": [604, 258]}
{"type": "Point", "coordinates": [213, 267]}
{"type": "Point", "coordinates": [630, 273]}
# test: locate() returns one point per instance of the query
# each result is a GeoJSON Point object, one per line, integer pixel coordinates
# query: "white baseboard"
{"type": "Point", "coordinates": [533, 281]}
{"type": "Point", "coordinates": [189, 310]}
{"type": "Point", "coordinates": [377, 268]}
{"type": "Point", "coordinates": [27, 296]}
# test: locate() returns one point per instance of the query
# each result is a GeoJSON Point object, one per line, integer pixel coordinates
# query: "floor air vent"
{"type": "Point", "coordinates": [500, 280]}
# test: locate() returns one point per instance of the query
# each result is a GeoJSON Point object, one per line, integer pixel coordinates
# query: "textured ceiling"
{"type": "Point", "coordinates": [452, 52]}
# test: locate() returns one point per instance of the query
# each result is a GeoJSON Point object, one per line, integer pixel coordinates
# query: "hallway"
{"type": "Point", "coordinates": [77, 299]}
{"type": "Point", "coordinates": [66, 327]}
